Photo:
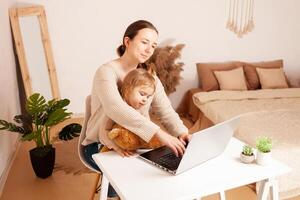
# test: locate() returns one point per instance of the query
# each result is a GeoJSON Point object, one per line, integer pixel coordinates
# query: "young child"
{"type": "Point", "coordinates": [137, 89]}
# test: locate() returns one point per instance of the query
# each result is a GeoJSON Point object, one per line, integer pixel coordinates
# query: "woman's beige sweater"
{"type": "Point", "coordinates": [106, 101]}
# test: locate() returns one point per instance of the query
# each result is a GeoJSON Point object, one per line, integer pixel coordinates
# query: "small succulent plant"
{"type": "Point", "coordinates": [264, 144]}
{"type": "Point", "coordinates": [247, 150]}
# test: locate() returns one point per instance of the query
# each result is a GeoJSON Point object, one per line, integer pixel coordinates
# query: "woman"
{"type": "Point", "coordinates": [139, 43]}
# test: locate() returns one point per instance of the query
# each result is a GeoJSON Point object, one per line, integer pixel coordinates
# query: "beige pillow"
{"type": "Point", "coordinates": [251, 74]}
{"type": "Point", "coordinates": [231, 79]}
{"type": "Point", "coordinates": [271, 78]}
{"type": "Point", "coordinates": [206, 75]}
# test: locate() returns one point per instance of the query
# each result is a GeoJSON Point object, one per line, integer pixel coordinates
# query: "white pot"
{"type": "Point", "coordinates": [247, 159]}
{"type": "Point", "coordinates": [263, 158]}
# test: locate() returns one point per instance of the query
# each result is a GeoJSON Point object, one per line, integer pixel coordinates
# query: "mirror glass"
{"type": "Point", "coordinates": [33, 47]}
{"type": "Point", "coordinates": [35, 56]}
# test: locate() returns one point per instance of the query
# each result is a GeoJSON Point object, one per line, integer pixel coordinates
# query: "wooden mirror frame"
{"type": "Point", "coordinates": [39, 11]}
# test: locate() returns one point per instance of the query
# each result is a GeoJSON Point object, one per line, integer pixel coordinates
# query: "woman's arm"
{"type": "Point", "coordinates": [161, 105]}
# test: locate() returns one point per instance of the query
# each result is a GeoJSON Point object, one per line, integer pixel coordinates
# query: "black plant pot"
{"type": "Point", "coordinates": [42, 160]}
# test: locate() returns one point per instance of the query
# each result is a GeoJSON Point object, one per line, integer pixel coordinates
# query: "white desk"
{"type": "Point", "coordinates": [133, 178]}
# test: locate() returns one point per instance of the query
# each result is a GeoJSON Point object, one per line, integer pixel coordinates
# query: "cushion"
{"type": "Point", "coordinates": [232, 79]}
{"type": "Point", "coordinates": [206, 76]}
{"type": "Point", "coordinates": [251, 74]}
{"type": "Point", "coordinates": [271, 78]}
{"type": "Point", "coordinates": [209, 82]}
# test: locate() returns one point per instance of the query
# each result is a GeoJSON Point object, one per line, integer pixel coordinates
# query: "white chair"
{"type": "Point", "coordinates": [80, 146]}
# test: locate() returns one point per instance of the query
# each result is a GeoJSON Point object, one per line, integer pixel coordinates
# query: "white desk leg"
{"type": "Point", "coordinates": [222, 195]}
{"type": "Point", "coordinates": [104, 188]}
{"type": "Point", "coordinates": [266, 186]}
{"type": "Point", "coordinates": [263, 190]}
{"type": "Point", "coordinates": [274, 190]}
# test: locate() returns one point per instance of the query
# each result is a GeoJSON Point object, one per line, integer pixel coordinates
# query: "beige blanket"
{"type": "Point", "coordinates": [219, 106]}
{"type": "Point", "coordinates": [273, 113]}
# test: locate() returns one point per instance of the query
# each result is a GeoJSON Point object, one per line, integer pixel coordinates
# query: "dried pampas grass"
{"type": "Point", "coordinates": [163, 61]}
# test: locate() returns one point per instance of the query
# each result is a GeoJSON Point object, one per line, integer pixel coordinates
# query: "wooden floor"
{"type": "Point", "coordinates": [67, 182]}
{"type": "Point", "coordinates": [22, 184]}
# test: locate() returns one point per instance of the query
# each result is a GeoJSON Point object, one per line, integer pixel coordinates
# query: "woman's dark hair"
{"type": "Point", "coordinates": [132, 30]}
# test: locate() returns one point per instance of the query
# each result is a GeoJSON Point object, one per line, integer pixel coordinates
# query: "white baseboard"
{"type": "Point", "coordinates": [5, 173]}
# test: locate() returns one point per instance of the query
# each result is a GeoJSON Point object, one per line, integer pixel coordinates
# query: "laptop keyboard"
{"type": "Point", "coordinates": [170, 160]}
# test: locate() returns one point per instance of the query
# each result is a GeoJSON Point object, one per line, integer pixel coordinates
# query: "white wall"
{"type": "Point", "coordinates": [86, 34]}
{"type": "Point", "coordinates": [9, 99]}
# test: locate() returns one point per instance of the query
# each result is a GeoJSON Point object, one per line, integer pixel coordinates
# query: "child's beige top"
{"type": "Point", "coordinates": [107, 101]}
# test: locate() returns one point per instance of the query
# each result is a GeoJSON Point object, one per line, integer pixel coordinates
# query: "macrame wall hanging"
{"type": "Point", "coordinates": [240, 17]}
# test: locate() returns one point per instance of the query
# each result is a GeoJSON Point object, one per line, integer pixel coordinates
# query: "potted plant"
{"type": "Point", "coordinates": [264, 147]}
{"type": "Point", "coordinates": [35, 125]}
{"type": "Point", "coordinates": [247, 155]}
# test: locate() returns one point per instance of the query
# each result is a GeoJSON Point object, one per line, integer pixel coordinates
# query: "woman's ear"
{"type": "Point", "coordinates": [126, 41]}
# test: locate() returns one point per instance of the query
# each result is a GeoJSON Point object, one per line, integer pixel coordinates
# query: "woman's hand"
{"type": "Point", "coordinates": [185, 138]}
{"type": "Point", "coordinates": [172, 142]}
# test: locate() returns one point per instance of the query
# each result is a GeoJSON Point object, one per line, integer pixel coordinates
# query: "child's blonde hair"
{"type": "Point", "coordinates": [135, 78]}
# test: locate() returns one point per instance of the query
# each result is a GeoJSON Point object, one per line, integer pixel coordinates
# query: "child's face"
{"type": "Point", "coordinates": [140, 96]}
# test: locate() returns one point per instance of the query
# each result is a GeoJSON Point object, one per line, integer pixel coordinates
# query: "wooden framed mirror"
{"type": "Point", "coordinates": [34, 52]}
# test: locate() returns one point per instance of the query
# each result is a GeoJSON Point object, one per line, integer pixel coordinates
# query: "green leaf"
{"type": "Point", "coordinates": [56, 104]}
{"type": "Point", "coordinates": [51, 102]}
{"type": "Point", "coordinates": [62, 103]}
{"type": "Point", "coordinates": [52, 109]}
{"type": "Point", "coordinates": [57, 116]}
{"type": "Point", "coordinates": [35, 104]}
{"type": "Point", "coordinates": [29, 137]}
{"type": "Point", "coordinates": [4, 125]}
{"type": "Point", "coordinates": [26, 121]}
{"type": "Point", "coordinates": [70, 131]}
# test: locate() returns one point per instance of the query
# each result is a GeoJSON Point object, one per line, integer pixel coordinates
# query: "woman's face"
{"type": "Point", "coordinates": [142, 46]}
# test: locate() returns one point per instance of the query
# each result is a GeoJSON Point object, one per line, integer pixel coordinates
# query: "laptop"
{"type": "Point", "coordinates": [203, 146]}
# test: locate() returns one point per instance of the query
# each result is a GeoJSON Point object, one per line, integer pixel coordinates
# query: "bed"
{"type": "Point", "coordinates": [269, 110]}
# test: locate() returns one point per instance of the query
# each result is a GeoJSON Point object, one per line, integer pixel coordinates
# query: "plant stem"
{"type": "Point", "coordinates": [47, 136]}
{"type": "Point", "coordinates": [35, 138]}
{"type": "Point", "coordinates": [38, 139]}
{"type": "Point", "coordinates": [40, 142]}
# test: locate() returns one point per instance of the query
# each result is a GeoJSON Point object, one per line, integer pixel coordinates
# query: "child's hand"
{"type": "Point", "coordinates": [122, 152]}
{"type": "Point", "coordinates": [129, 153]}
{"type": "Point", "coordinates": [105, 140]}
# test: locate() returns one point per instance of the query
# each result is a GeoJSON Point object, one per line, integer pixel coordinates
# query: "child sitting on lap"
{"type": "Point", "coordinates": [137, 89]}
